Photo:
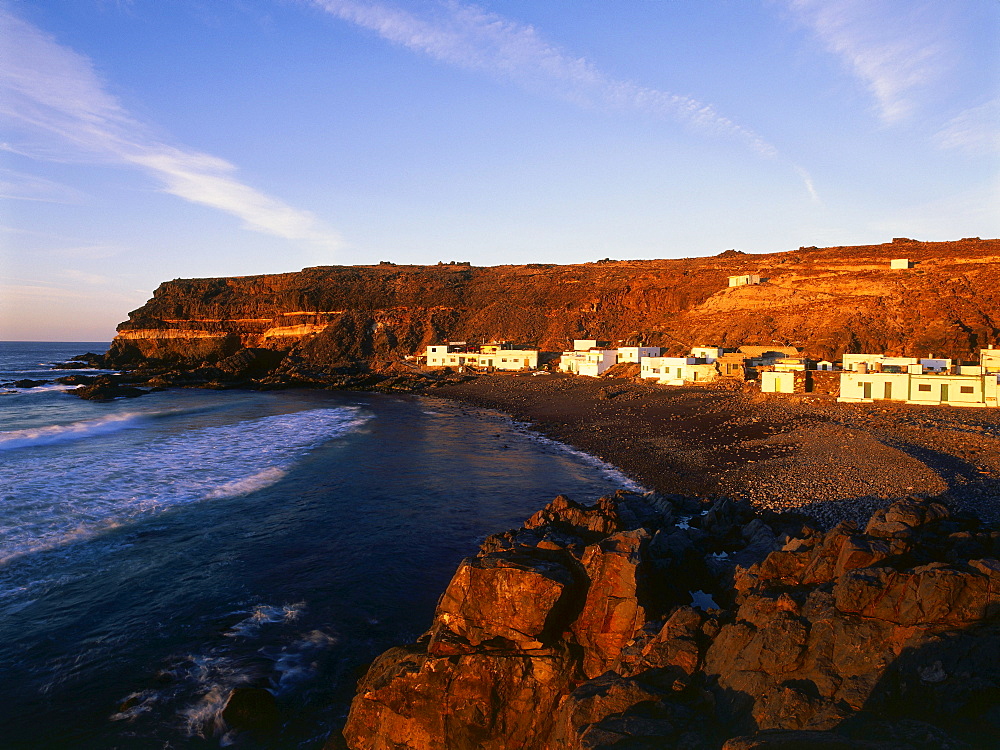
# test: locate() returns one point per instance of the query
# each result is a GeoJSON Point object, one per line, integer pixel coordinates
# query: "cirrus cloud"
{"type": "Point", "coordinates": [50, 90]}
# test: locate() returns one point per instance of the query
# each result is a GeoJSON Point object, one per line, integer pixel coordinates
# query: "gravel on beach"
{"type": "Point", "coordinates": [808, 453]}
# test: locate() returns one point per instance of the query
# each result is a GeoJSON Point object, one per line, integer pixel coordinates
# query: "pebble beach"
{"type": "Point", "coordinates": [807, 453]}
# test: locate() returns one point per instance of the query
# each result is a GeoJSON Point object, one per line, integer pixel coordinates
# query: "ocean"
{"type": "Point", "coordinates": [157, 552]}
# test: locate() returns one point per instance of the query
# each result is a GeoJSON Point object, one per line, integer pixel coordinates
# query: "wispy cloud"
{"type": "Point", "coordinates": [472, 38]}
{"type": "Point", "coordinates": [50, 89]}
{"type": "Point", "coordinates": [16, 185]}
{"type": "Point", "coordinates": [890, 45]}
{"type": "Point", "coordinates": [83, 277]}
{"type": "Point", "coordinates": [976, 130]}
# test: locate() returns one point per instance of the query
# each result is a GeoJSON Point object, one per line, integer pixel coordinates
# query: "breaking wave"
{"type": "Point", "coordinates": [86, 493]}
{"type": "Point", "coordinates": [61, 433]}
{"type": "Point", "coordinates": [245, 486]}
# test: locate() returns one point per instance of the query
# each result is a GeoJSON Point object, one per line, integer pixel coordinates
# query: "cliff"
{"type": "Point", "coordinates": [825, 300]}
{"type": "Point", "coordinates": [577, 631]}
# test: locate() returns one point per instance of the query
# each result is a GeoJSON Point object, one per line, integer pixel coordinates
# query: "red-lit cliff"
{"type": "Point", "coordinates": [825, 300]}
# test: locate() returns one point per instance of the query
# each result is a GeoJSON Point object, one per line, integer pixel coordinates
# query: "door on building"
{"type": "Point", "coordinates": [866, 390]}
{"type": "Point", "coordinates": [888, 390]}
{"type": "Point", "coordinates": [944, 393]}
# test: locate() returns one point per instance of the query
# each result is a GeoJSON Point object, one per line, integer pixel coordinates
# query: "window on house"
{"type": "Point", "coordinates": [924, 387]}
{"type": "Point", "coordinates": [967, 389]}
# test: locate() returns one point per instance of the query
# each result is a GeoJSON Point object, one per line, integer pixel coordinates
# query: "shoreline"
{"type": "Point", "coordinates": [829, 460]}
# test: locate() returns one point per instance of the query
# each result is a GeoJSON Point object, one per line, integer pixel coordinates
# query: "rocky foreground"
{"type": "Point", "coordinates": [578, 631]}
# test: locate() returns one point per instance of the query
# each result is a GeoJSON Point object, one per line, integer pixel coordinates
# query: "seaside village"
{"type": "Point", "coordinates": [859, 378]}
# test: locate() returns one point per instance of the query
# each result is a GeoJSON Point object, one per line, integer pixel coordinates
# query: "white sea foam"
{"type": "Point", "coordinates": [48, 388]}
{"type": "Point", "coordinates": [60, 433]}
{"type": "Point", "coordinates": [56, 497]}
{"type": "Point", "coordinates": [266, 614]}
{"type": "Point", "coordinates": [296, 662]}
{"type": "Point", "coordinates": [608, 471]}
{"type": "Point", "coordinates": [249, 484]}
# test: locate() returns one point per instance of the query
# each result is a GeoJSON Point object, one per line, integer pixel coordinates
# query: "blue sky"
{"type": "Point", "coordinates": [143, 140]}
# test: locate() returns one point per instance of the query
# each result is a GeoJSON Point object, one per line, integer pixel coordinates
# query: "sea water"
{"type": "Point", "coordinates": [157, 552]}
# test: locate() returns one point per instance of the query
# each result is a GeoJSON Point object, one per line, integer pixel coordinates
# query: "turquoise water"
{"type": "Point", "coordinates": [156, 552]}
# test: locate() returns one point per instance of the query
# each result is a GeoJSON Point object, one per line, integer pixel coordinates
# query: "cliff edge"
{"type": "Point", "coordinates": [824, 300]}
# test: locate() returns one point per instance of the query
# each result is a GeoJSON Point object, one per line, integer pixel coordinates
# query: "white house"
{"type": "Point", "coordinates": [900, 263]}
{"type": "Point", "coordinates": [637, 353]}
{"type": "Point", "coordinates": [676, 370]}
{"type": "Point", "coordinates": [825, 365]}
{"type": "Point", "coordinates": [585, 345]}
{"type": "Point", "coordinates": [930, 388]}
{"type": "Point", "coordinates": [857, 362]}
{"type": "Point", "coordinates": [497, 356]}
{"type": "Point", "coordinates": [777, 382]}
{"type": "Point", "coordinates": [935, 365]}
{"type": "Point", "coordinates": [707, 353]}
{"type": "Point", "coordinates": [989, 359]}
{"type": "Point", "coordinates": [791, 364]}
{"type": "Point", "coordinates": [593, 362]}
{"type": "Point", "coordinates": [597, 362]}
{"type": "Point", "coordinates": [745, 280]}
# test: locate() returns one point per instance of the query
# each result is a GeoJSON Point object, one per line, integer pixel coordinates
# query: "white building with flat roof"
{"type": "Point", "coordinates": [496, 356]}
{"type": "Point", "coordinates": [637, 353]}
{"type": "Point", "coordinates": [708, 353]}
{"type": "Point", "coordinates": [927, 389]}
{"type": "Point", "coordinates": [677, 370]}
{"type": "Point", "coordinates": [989, 359]}
{"type": "Point", "coordinates": [777, 382]}
{"type": "Point", "coordinates": [856, 362]}
{"type": "Point", "coordinates": [748, 279]}
{"type": "Point", "coordinates": [593, 362]}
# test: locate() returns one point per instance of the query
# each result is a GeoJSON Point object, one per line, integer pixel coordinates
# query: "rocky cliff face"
{"type": "Point", "coordinates": [826, 300]}
{"type": "Point", "coordinates": [577, 631]}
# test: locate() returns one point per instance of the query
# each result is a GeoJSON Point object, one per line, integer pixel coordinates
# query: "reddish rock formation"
{"type": "Point", "coordinates": [826, 300]}
{"type": "Point", "coordinates": [576, 631]}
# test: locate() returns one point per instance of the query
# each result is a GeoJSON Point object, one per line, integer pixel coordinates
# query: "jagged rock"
{"type": "Point", "coordinates": [507, 600]}
{"type": "Point", "coordinates": [106, 388]}
{"type": "Point", "coordinates": [837, 639]}
{"type": "Point", "coordinates": [611, 612]}
{"type": "Point", "coordinates": [493, 701]}
{"type": "Point", "coordinates": [601, 519]}
{"type": "Point", "coordinates": [250, 362]}
{"type": "Point", "coordinates": [592, 702]}
{"type": "Point", "coordinates": [26, 383]}
{"type": "Point", "coordinates": [902, 517]}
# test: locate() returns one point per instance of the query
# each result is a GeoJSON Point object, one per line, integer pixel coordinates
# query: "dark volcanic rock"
{"type": "Point", "coordinates": [551, 637]}
{"type": "Point", "coordinates": [106, 388]}
{"type": "Point", "coordinates": [27, 383]}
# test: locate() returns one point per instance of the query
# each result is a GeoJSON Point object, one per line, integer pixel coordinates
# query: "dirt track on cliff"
{"type": "Point", "coordinates": [835, 461]}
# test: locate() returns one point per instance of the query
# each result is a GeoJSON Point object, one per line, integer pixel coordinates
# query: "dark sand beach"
{"type": "Point", "coordinates": [834, 461]}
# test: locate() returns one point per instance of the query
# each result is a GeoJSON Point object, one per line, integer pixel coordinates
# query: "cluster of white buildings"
{"type": "Point", "coordinates": [859, 378]}
{"type": "Point", "coordinates": [497, 356]}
